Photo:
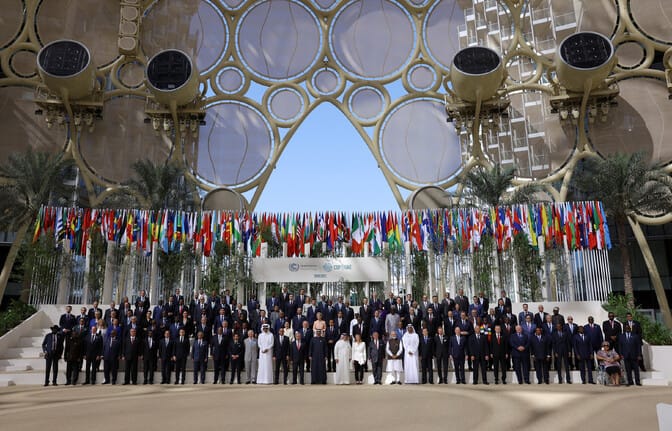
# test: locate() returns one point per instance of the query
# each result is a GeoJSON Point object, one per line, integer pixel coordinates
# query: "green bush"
{"type": "Point", "coordinates": [653, 332]}
{"type": "Point", "coordinates": [16, 313]}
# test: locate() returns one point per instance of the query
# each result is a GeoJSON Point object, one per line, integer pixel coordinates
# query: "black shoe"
{"type": "Point", "coordinates": [46, 384]}
{"type": "Point", "coordinates": [105, 383]}
{"type": "Point", "coordinates": [503, 382]}
{"type": "Point", "coordinates": [177, 383]}
{"type": "Point", "coordinates": [54, 384]}
{"type": "Point", "coordinates": [486, 383]}
{"type": "Point", "coordinates": [638, 384]}
{"type": "Point", "coordinates": [125, 383]}
{"type": "Point", "coordinates": [247, 383]}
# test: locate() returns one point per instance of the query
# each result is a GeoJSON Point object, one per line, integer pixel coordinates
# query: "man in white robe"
{"type": "Point", "coordinates": [343, 354]}
{"type": "Point", "coordinates": [411, 343]}
{"type": "Point", "coordinates": [265, 373]}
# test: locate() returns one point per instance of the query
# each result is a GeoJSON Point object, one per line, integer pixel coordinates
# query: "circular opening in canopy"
{"type": "Point", "coordinates": [586, 50]}
{"type": "Point", "coordinates": [63, 58]}
{"type": "Point", "coordinates": [476, 60]}
{"type": "Point", "coordinates": [169, 70]}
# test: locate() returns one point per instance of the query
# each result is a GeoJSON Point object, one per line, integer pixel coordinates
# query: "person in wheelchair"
{"type": "Point", "coordinates": [610, 360]}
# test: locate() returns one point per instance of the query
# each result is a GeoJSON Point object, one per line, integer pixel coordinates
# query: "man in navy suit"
{"type": "Point", "coordinates": [540, 347]}
{"type": "Point", "coordinates": [130, 353]}
{"type": "Point", "coordinates": [612, 329]}
{"type": "Point", "coordinates": [180, 355]}
{"type": "Point", "coordinates": [219, 349]}
{"type": "Point", "coordinates": [236, 355]}
{"type": "Point", "coordinates": [499, 353]}
{"type": "Point", "coordinates": [93, 352]}
{"type": "Point", "coordinates": [298, 353]}
{"type": "Point", "coordinates": [635, 328]}
{"type": "Point", "coordinates": [479, 352]}
{"type": "Point", "coordinates": [426, 350]}
{"type": "Point", "coordinates": [166, 346]}
{"type": "Point", "coordinates": [520, 352]}
{"type": "Point", "coordinates": [272, 302]}
{"type": "Point", "coordinates": [377, 354]}
{"type": "Point", "coordinates": [111, 355]}
{"type": "Point", "coordinates": [441, 353]}
{"type": "Point", "coordinates": [526, 312]}
{"type": "Point", "coordinates": [630, 348]}
{"type": "Point", "coordinates": [332, 335]}
{"type": "Point", "coordinates": [594, 334]}
{"type": "Point", "coordinates": [377, 324]}
{"type": "Point", "coordinates": [298, 319]}
{"type": "Point", "coordinates": [52, 347]}
{"type": "Point", "coordinates": [150, 348]}
{"type": "Point", "coordinates": [571, 329]}
{"type": "Point", "coordinates": [561, 347]}
{"type": "Point", "coordinates": [583, 353]}
{"type": "Point", "coordinates": [281, 356]}
{"type": "Point", "coordinates": [67, 321]}
{"type": "Point", "coordinates": [458, 344]}
{"type": "Point", "coordinates": [199, 353]}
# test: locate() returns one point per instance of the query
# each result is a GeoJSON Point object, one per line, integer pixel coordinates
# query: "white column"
{"type": "Point", "coordinates": [154, 275]}
{"type": "Point", "coordinates": [65, 281]}
{"type": "Point", "coordinates": [109, 272]}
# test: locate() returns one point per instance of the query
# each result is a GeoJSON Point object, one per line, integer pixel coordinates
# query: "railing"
{"type": "Point", "coordinates": [493, 27]}
{"type": "Point", "coordinates": [538, 14]}
{"type": "Point", "coordinates": [564, 20]}
{"type": "Point", "coordinates": [545, 45]}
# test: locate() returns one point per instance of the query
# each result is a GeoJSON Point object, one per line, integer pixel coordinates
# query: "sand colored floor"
{"type": "Point", "coordinates": [298, 408]}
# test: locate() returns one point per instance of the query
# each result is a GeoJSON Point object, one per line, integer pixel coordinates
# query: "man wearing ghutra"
{"type": "Point", "coordinates": [265, 341]}
{"type": "Point", "coordinates": [342, 353]}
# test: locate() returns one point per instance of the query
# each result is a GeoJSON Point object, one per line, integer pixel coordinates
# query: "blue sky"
{"type": "Point", "coordinates": [326, 166]}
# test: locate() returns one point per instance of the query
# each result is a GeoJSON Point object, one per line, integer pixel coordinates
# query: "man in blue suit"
{"type": "Point", "coordinates": [166, 346]}
{"type": "Point", "coordinates": [630, 348]}
{"type": "Point", "coordinates": [111, 354]}
{"type": "Point", "coordinates": [594, 334]}
{"type": "Point", "coordinates": [458, 344]}
{"type": "Point", "coordinates": [52, 346]}
{"type": "Point", "coordinates": [93, 352]}
{"type": "Point", "coordinates": [583, 353]}
{"type": "Point", "coordinates": [479, 351]}
{"type": "Point", "coordinates": [199, 353]}
{"type": "Point", "coordinates": [561, 346]}
{"type": "Point", "coordinates": [540, 347]}
{"type": "Point", "coordinates": [219, 349]}
{"type": "Point", "coordinates": [520, 352]}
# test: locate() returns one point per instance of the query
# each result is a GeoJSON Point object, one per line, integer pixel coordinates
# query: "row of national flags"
{"type": "Point", "coordinates": [566, 225]}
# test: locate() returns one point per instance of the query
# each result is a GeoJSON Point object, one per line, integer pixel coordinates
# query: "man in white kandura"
{"type": "Point", "coordinates": [265, 373]}
{"type": "Point", "coordinates": [342, 353]}
{"type": "Point", "coordinates": [411, 343]}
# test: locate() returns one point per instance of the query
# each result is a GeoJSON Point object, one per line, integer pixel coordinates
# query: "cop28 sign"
{"type": "Point", "coordinates": [317, 270]}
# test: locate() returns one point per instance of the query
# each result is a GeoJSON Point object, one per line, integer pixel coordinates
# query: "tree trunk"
{"type": "Point", "coordinates": [11, 258]}
{"type": "Point", "coordinates": [625, 261]}
{"type": "Point", "coordinates": [653, 272]}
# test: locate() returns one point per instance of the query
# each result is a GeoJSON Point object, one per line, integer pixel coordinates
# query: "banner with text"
{"type": "Point", "coordinates": [319, 270]}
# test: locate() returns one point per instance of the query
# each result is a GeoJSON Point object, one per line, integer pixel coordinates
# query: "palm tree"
{"type": "Point", "coordinates": [155, 186]}
{"type": "Point", "coordinates": [628, 185]}
{"type": "Point", "coordinates": [492, 186]}
{"type": "Point", "coordinates": [32, 179]}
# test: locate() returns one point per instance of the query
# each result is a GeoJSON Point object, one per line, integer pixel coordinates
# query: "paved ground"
{"type": "Point", "coordinates": [299, 408]}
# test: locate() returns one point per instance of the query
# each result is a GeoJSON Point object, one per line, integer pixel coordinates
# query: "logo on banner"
{"type": "Point", "coordinates": [293, 267]}
{"type": "Point", "coordinates": [327, 267]}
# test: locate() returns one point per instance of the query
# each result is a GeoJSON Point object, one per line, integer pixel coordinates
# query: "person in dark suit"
{"type": "Point", "coordinates": [166, 347]}
{"type": "Point", "coordinates": [93, 352]}
{"type": "Point", "coordinates": [150, 348]}
{"type": "Point", "coordinates": [360, 328]}
{"type": "Point", "coordinates": [332, 335]}
{"type": "Point", "coordinates": [441, 353]}
{"type": "Point", "coordinates": [561, 346]}
{"type": "Point", "coordinates": [506, 300]}
{"type": "Point", "coordinates": [180, 355]}
{"type": "Point", "coordinates": [52, 347]}
{"type": "Point", "coordinates": [462, 300]}
{"type": "Point", "coordinates": [281, 356]}
{"type": "Point", "coordinates": [366, 311]}
{"type": "Point", "coordinates": [199, 354]}
{"type": "Point", "coordinates": [111, 355]}
{"type": "Point", "coordinates": [67, 321]}
{"type": "Point", "coordinates": [479, 351]}
{"type": "Point", "coordinates": [594, 334]}
{"type": "Point", "coordinates": [236, 355]}
{"type": "Point", "coordinates": [540, 347]}
{"type": "Point", "coordinates": [630, 348]}
{"type": "Point", "coordinates": [520, 352]}
{"type": "Point", "coordinates": [431, 321]}
{"type": "Point", "coordinates": [635, 328]}
{"type": "Point", "coordinates": [612, 329]}
{"type": "Point", "coordinates": [571, 329]}
{"type": "Point", "coordinates": [130, 353]}
{"type": "Point", "coordinates": [426, 350]}
{"type": "Point", "coordinates": [307, 335]}
{"type": "Point", "coordinates": [526, 312]}
{"type": "Point", "coordinates": [73, 353]}
{"type": "Point", "coordinates": [219, 350]}
{"type": "Point", "coordinates": [91, 315]}
{"type": "Point", "coordinates": [377, 324]}
{"type": "Point", "coordinates": [458, 347]}
{"type": "Point", "coordinates": [499, 353]}
{"type": "Point", "coordinates": [298, 352]}
{"type": "Point", "coordinates": [583, 353]}
{"type": "Point", "coordinates": [376, 355]}
{"type": "Point", "coordinates": [540, 316]}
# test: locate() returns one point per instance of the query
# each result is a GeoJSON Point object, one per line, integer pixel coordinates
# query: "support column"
{"type": "Point", "coordinates": [66, 276]}
{"type": "Point", "coordinates": [261, 296]}
{"type": "Point", "coordinates": [408, 282]}
{"type": "Point", "coordinates": [431, 267]}
{"type": "Point", "coordinates": [109, 272]}
{"type": "Point", "coordinates": [154, 275]}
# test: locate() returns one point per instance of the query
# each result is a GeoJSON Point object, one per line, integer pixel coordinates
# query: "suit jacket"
{"type": "Point", "coordinates": [540, 349]}
{"type": "Point", "coordinates": [522, 315]}
{"type": "Point", "coordinates": [478, 347]}
{"type": "Point", "coordinates": [441, 346]}
{"type": "Point", "coordinates": [426, 348]}
{"type": "Point", "coordinates": [635, 327]}
{"type": "Point", "coordinates": [236, 349]}
{"type": "Point", "coordinates": [499, 349]}
{"type": "Point", "coordinates": [361, 329]}
{"type": "Point", "coordinates": [377, 326]}
{"type": "Point", "coordinates": [199, 350]}
{"type": "Point", "coordinates": [149, 353]}
{"type": "Point", "coordinates": [540, 319]}
{"type": "Point", "coordinates": [92, 313]}
{"type": "Point", "coordinates": [93, 347]}
{"type": "Point", "coordinates": [431, 325]}
{"type": "Point", "coordinates": [630, 348]}
{"type": "Point", "coordinates": [377, 354]}
{"type": "Point", "coordinates": [332, 335]}
{"type": "Point", "coordinates": [181, 350]}
{"type": "Point", "coordinates": [562, 343]}
{"type": "Point", "coordinates": [166, 351]}
{"type": "Point", "coordinates": [131, 350]}
{"type": "Point", "coordinates": [112, 349]}
{"type": "Point", "coordinates": [280, 351]}
{"type": "Point", "coordinates": [516, 341]}
{"type": "Point", "coordinates": [366, 313]}
{"type": "Point", "coordinates": [297, 322]}
{"type": "Point", "coordinates": [67, 321]}
{"type": "Point", "coordinates": [595, 336]}
{"type": "Point", "coordinates": [251, 349]}
{"type": "Point", "coordinates": [507, 302]}
{"type": "Point", "coordinates": [298, 354]}
{"type": "Point", "coordinates": [529, 331]}
{"type": "Point", "coordinates": [51, 348]}
{"type": "Point", "coordinates": [457, 351]}
{"type": "Point", "coordinates": [463, 301]}
{"type": "Point", "coordinates": [610, 330]}
{"type": "Point", "coordinates": [344, 327]}
{"type": "Point", "coordinates": [571, 329]}
{"type": "Point", "coordinates": [583, 348]}
{"type": "Point", "coordinates": [219, 349]}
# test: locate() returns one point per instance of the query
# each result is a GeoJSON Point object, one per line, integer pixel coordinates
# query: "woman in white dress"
{"type": "Point", "coordinates": [411, 343]}
{"type": "Point", "coordinates": [265, 342]}
{"type": "Point", "coordinates": [394, 349]}
{"type": "Point", "coordinates": [359, 358]}
{"type": "Point", "coordinates": [343, 354]}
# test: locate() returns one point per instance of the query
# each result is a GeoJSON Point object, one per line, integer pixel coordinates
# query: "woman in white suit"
{"type": "Point", "coordinates": [359, 358]}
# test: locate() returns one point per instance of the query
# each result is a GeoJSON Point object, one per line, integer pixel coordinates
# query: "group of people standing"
{"type": "Point", "coordinates": [299, 334]}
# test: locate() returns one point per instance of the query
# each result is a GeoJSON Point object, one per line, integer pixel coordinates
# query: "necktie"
{"type": "Point", "coordinates": [181, 339]}
{"type": "Point", "coordinates": [581, 337]}
{"type": "Point", "coordinates": [498, 339]}
{"type": "Point", "coordinates": [539, 338]}
{"type": "Point", "coordinates": [93, 338]}
{"type": "Point", "coordinates": [298, 345]}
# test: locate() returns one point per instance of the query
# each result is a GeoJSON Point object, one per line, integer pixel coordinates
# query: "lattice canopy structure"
{"type": "Point", "coordinates": [259, 68]}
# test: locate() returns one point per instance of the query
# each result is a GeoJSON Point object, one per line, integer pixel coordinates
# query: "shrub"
{"type": "Point", "coordinates": [653, 332]}
{"type": "Point", "coordinates": [16, 313]}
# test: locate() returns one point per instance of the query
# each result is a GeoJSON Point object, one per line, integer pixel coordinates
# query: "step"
{"type": "Point", "coordinates": [655, 382]}
{"type": "Point", "coordinates": [6, 381]}
{"type": "Point", "coordinates": [21, 352]}
{"type": "Point", "coordinates": [22, 364]}
{"type": "Point", "coordinates": [29, 342]}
